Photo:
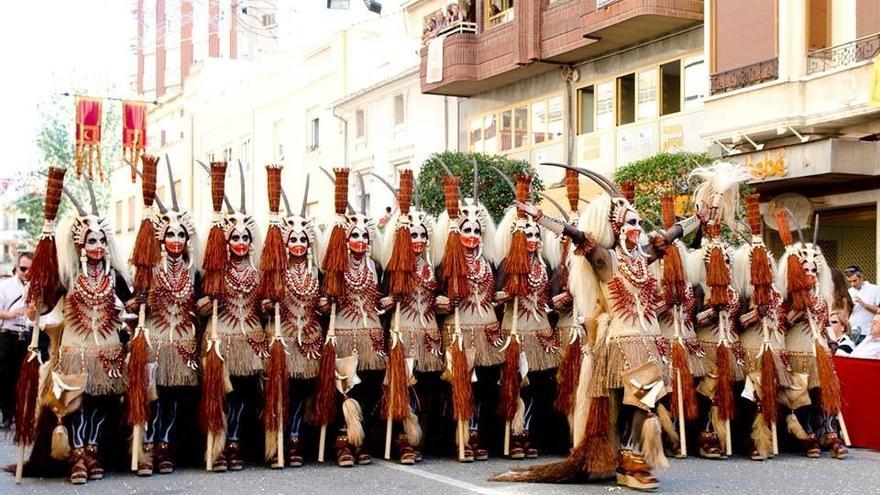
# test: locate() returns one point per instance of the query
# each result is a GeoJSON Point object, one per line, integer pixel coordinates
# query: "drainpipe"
{"type": "Point", "coordinates": [344, 138]}
{"type": "Point", "coordinates": [445, 123]}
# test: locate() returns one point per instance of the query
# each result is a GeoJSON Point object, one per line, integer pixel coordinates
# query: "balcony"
{"type": "Point", "coordinates": [742, 77]}
{"type": "Point", "coordinates": [844, 55]}
{"type": "Point", "coordinates": [534, 37]}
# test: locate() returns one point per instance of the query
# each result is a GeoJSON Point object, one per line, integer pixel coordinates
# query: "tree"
{"type": "Point", "coordinates": [493, 191]}
{"type": "Point", "coordinates": [56, 142]}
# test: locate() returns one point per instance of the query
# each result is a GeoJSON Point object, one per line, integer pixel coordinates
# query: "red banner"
{"type": "Point", "coordinates": [134, 133]}
{"type": "Point", "coordinates": [88, 136]}
{"type": "Point", "coordinates": [859, 381]}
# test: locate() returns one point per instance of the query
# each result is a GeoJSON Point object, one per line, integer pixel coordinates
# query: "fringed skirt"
{"type": "Point", "coordinates": [424, 346]}
{"type": "Point", "coordinates": [173, 362]}
{"type": "Point", "coordinates": [484, 339]}
{"type": "Point", "coordinates": [801, 353]}
{"type": "Point", "coordinates": [244, 353]}
{"type": "Point", "coordinates": [628, 352]}
{"type": "Point", "coordinates": [737, 359]}
{"type": "Point", "coordinates": [752, 341]}
{"type": "Point", "coordinates": [367, 343]}
{"type": "Point", "coordinates": [98, 362]}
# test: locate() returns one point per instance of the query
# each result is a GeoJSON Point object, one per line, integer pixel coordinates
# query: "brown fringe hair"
{"type": "Point", "coordinates": [395, 396]}
{"type": "Point", "coordinates": [277, 391]}
{"type": "Point", "coordinates": [761, 273]}
{"type": "Point", "coordinates": [44, 278]}
{"type": "Point", "coordinates": [769, 387]}
{"type": "Point", "coordinates": [510, 381]}
{"type": "Point", "coordinates": [718, 277]}
{"type": "Point", "coordinates": [137, 402]}
{"type": "Point", "coordinates": [213, 396]}
{"type": "Point", "coordinates": [336, 258]}
{"type": "Point", "coordinates": [572, 189]}
{"type": "Point", "coordinates": [402, 263]}
{"type": "Point", "coordinates": [753, 212]}
{"type": "Point", "coordinates": [516, 263]}
{"type": "Point", "coordinates": [688, 389]}
{"type": "Point", "coordinates": [628, 190]}
{"type": "Point", "coordinates": [567, 378]}
{"type": "Point", "coordinates": [799, 286]}
{"type": "Point", "coordinates": [829, 387]}
{"type": "Point", "coordinates": [462, 394]}
{"type": "Point", "coordinates": [453, 269]}
{"type": "Point", "coordinates": [724, 400]}
{"type": "Point", "coordinates": [273, 259]}
{"type": "Point", "coordinates": [216, 255]}
{"type": "Point", "coordinates": [325, 386]}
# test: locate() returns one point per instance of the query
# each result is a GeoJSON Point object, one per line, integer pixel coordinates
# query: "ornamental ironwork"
{"type": "Point", "coordinates": [843, 55]}
{"type": "Point", "coordinates": [745, 76]}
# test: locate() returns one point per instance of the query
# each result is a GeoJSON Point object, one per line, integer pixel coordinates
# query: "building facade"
{"type": "Point", "coordinates": [791, 102]}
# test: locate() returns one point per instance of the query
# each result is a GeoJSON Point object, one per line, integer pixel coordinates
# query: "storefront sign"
{"type": "Point", "coordinates": [673, 137]}
{"type": "Point", "coordinates": [770, 165]}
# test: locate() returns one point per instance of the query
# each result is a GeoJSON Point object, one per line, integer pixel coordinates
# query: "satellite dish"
{"type": "Point", "coordinates": [800, 207]}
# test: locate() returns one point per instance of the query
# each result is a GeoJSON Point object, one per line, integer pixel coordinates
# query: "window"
{"type": "Point", "coordinates": [20, 223]}
{"type": "Point", "coordinates": [819, 24]}
{"type": "Point", "coordinates": [476, 135]}
{"type": "Point", "coordinates": [245, 154]}
{"type": "Point", "coordinates": [646, 107]}
{"type": "Point", "coordinates": [360, 125]}
{"type": "Point", "coordinates": [626, 99]}
{"type": "Point", "coordinates": [670, 88]}
{"type": "Point", "coordinates": [227, 154]}
{"type": "Point", "coordinates": [520, 126]}
{"type": "Point", "coordinates": [118, 226]}
{"type": "Point", "coordinates": [498, 11]}
{"type": "Point", "coordinates": [695, 82]}
{"type": "Point", "coordinates": [162, 140]}
{"type": "Point", "coordinates": [539, 121]}
{"type": "Point", "coordinates": [314, 133]}
{"type": "Point", "coordinates": [554, 118]}
{"type": "Point", "coordinates": [268, 20]}
{"type": "Point", "coordinates": [277, 137]}
{"type": "Point", "coordinates": [605, 105]}
{"type": "Point", "coordinates": [131, 219]}
{"type": "Point", "coordinates": [399, 110]}
{"type": "Point", "coordinates": [490, 144]}
{"type": "Point", "coordinates": [506, 124]}
{"type": "Point", "coordinates": [586, 107]}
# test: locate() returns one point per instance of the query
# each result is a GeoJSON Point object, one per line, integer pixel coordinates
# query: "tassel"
{"type": "Point", "coordinates": [567, 378]}
{"type": "Point", "coordinates": [335, 264]}
{"type": "Point", "coordinates": [412, 428]}
{"type": "Point", "coordinates": [353, 415]}
{"type": "Point", "coordinates": [213, 395]}
{"type": "Point", "coordinates": [666, 424]}
{"type": "Point", "coordinates": [769, 387]}
{"type": "Point", "coordinates": [273, 264]}
{"type": "Point", "coordinates": [454, 268]}
{"type": "Point", "coordinates": [214, 264]}
{"type": "Point", "coordinates": [762, 436]}
{"type": "Point", "coordinates": [652, 443]}
{"type": "Point", "coordinates": [795, 428]}
{"type": "Point", "coordinates": [761, 273]}
{"type": "Point", "coordinates": [145, 256]}
{"type": "Point", "coordinates": [138, 411]}
{"type": "Point", "coordinates": [718, 278]}
{"type": "Point", "coordinates": [510, 381]}
{"type": "Point", "coordinates": [673, 277]}
{"type": "Point", "coordinates": [60, 449]}
{"type": "Point", "coordinates": [462, 394]}
{"type": "Point", "coordinates": [277, 398]}
{"type": "Point", "coordinates": [396, 393]}
{"type": "Point", "coordinates": [26, 392]}
{"type": "Point", "coordinates": [516, 266]}
{"type": "Point", "coordinates": [688, 389]}
{"type": "Point", "coordinates": [829, 387]}
{"type": "Point", "coordinates": [582, 401]}
{"type": "Point", "coordinates": [724, 388]}
{"type": "Point", "coordinates": [44, 277]}
{"type": "Point", "coordinates": [325, 386]}
{"type": "Point", "coordinates": [799, 286]}
{"type": "Point", "coordinates": [401, 264]}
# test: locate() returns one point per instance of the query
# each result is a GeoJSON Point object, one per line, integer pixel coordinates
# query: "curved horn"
{"type": "Point", "coordinates": [442, 164]}
{"type": "Point", "coordinates": [305, 197]}
{"type": "Point", "coordinates": [92, 198]}
{"type": "Point", "coordinates": [597, 178]}
{"type": "Point", "coordinates": [333, 180]}
{"type": "Point", "coordinates": [363, 194]}
{"type": "Point", "coordinates": [584, 201]}
{"type": "Point", "coordinates": [557, 205]}
{"type": "Point", "coordinates": [156, 199]}
{"type": "Point", "coordinates": [476, 183]}
{"type": "Point", "coordinates": [507, 180]}
{"type": "Point", "coordinates": [286, 203]}
{"type": "Point", "coordinates": [174, 204]}
{"type": "Point", "coordinates": [797, 224]}
{"type": "Point", "coordinates": [207, 169]}
{"type": "Point", "coordinates": [816, 230]}
{"type": "Point", "coordinates": [241, 207]}
{"type": "Point", "coordinates": [387, 184]}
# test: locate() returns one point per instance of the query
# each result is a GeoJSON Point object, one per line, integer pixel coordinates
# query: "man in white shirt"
{"type": "Point", "coordinates": [14, 334]}
{"type": "Point", "coordinates": [870, 347]}
{"type": "Point", "coordinates": [866, 302]}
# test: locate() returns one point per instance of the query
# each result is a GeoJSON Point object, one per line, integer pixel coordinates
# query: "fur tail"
{"type": "Point", "coordinates": [795, 427]}
{"type": "Point", "coordinates": [351, 411]}
{"type": "Point", "coordinates": [413, 429]}
{"type": "Point", "coordinates": [652, 444]}
{"type": "Point", "coordinates": [666, 424]}
{"type": "Point", "coordinates": [762, 436]}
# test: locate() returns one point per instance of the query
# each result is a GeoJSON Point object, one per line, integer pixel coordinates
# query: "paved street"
{"type": "Point", "coordinates": [788, 474]}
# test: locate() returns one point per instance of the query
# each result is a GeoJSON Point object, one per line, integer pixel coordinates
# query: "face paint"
{"type": "Point", "coordinates": [419, 238]}
{"type": "Point", "coordinates": [240, 243]}
{"type": "Point", "coordinates": [175, 240]}
{"type": "Point", "coordinates": [470, 234]}
{"type": "Point", "coordinates": [533, 237]}
{"type": "Point", "coordinates": [632, 228]}
{"type": "Point", "coordinates": [298, 244]}
{"type": "Point", "coordinates": [810, 270]}
{"type": "Point", "coordinates": [358, 241]}
{"type": "Point", "coordinates": [96, 245]}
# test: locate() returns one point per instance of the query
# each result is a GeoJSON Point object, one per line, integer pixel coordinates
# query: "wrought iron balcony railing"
{"type": "Point", "coordinates": [742, 77]}
{"type": "Point", "coordinates": [843, 55]}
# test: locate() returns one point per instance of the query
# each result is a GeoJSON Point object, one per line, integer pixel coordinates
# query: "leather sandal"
{"type": "Point", "coordinates": [93, 465]}
{"type": "Point", "coordinates": [79, 474]}
{"type": "Point", "coordinates": [145, 465]}
{"type": "Point", "coordinates": [343, 452]}
{"type": "Point", "coordinates": [633, 472]}
{"type": "Point", "coordinates": [163, 461]}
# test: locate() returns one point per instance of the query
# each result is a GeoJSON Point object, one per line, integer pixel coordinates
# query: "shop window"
{"type": "Point", "coordinates": [539, 122]}
{"type": "Point", "coordinates": [520, 126]}
{"type": "Point", "coordinates": [360, 125]}
{"type": "Point", "coordinates": [399, 110]}
{"type": "Point", "coordinates": [670, 88]}
{"type": "Point", "coordinates": [586, 107]}
{"type": "Point", "coordinates": [695, 82]}
{"type": "Point", "coordinates": [626, 99]}
{"type": "Point", "coordinates": [646, 106]}
{"type": "Point", "coordinates": [498, 12]}
{"type": "Point", "coordinates": [489, 134]}
{"type": "Point", "coordinates": [506, 125]}
{"type": "Point", "coordinates": [476, 135]}
{"type": "Point", "coordinates": [554, 118]}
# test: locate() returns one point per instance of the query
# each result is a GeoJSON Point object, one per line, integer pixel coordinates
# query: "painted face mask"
{"type": "Point", "coordinates": [631, 231]}
{"type": "Point", "coordinates": [810, 270]}
{"type": "Point", "coordinates": [358, 241]}
{"type": "Point", "coordinates": [95, 245]}
{"type": "Point", "coordinates": [175, 240]}
{"type": "Point", "coordinates": [240, 243]}
{"type": "Point", "coordinates": [470, 234]}
{"type": "Point", "coordinates": [298, 244]}
{"type": "Point", "coordinates": [533, 237]}
{"type": "Point", "coordinates": [419, 238]}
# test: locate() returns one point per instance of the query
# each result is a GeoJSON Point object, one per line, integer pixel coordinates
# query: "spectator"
{"type": "Point", "coordinates": [14, 338]}
{"type": "Point", "coordinates": [838, 332]}
{"type": "Point", "coordinates": [440, 20]}
{"type": "Point", "coordinates": [453, 14]}
{"type": "Point", "coordinates": [842, 301]}
{"type": "Point", "coordinates": [866, 302]}
{"type": "Point", "coordinates": [869, 348]}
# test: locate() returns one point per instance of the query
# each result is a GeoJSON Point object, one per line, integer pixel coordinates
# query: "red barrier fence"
{"type": "Point", "coordinates": [859, 384]}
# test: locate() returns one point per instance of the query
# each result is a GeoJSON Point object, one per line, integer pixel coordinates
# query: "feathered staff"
{"type": "Point", "coordinates": [454, 271]}
{"type": "Point", "coordinates": [761, 275]}
{"type": "Point", "coordinates": [145, 256]}
{"type": "Point", "coordinates": [41, 295]}
{"type": "Point", "coordinates": [684, 400]}
{"type": "Point", "coordinates": [401, 270]}
{"type": "Point", "coordinates": [334, 265]}
{"type": "Point", "coordinates": [214, 285]}
{"type": "Point", "coordinates": [273, 261]}
{"type": "Point", "coordinates": [569, 369]}
{"type": "Point", "coordinates": [516, 267]}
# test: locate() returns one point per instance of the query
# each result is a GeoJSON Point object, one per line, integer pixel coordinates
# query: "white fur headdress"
{"type": "Point", "coordinates": [415, 218]}
{"type": "Point", "coordinates": [468, 211]}
{"type": "Point", "coordinates": [806, 252]}
{"type": "Point", "coordinates": [719, 189]}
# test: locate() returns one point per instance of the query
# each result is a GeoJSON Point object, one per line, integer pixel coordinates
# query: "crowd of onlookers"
{"type": "Point", "coordinates": [455, 13]}
{"type": "Point", "coordinates": [854, 323]}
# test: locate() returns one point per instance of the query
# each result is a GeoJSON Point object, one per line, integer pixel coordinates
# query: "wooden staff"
{"type": "Point", "coordinates": [678, 388]}
{"type": "Point", "coordinates": [329, 346]}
